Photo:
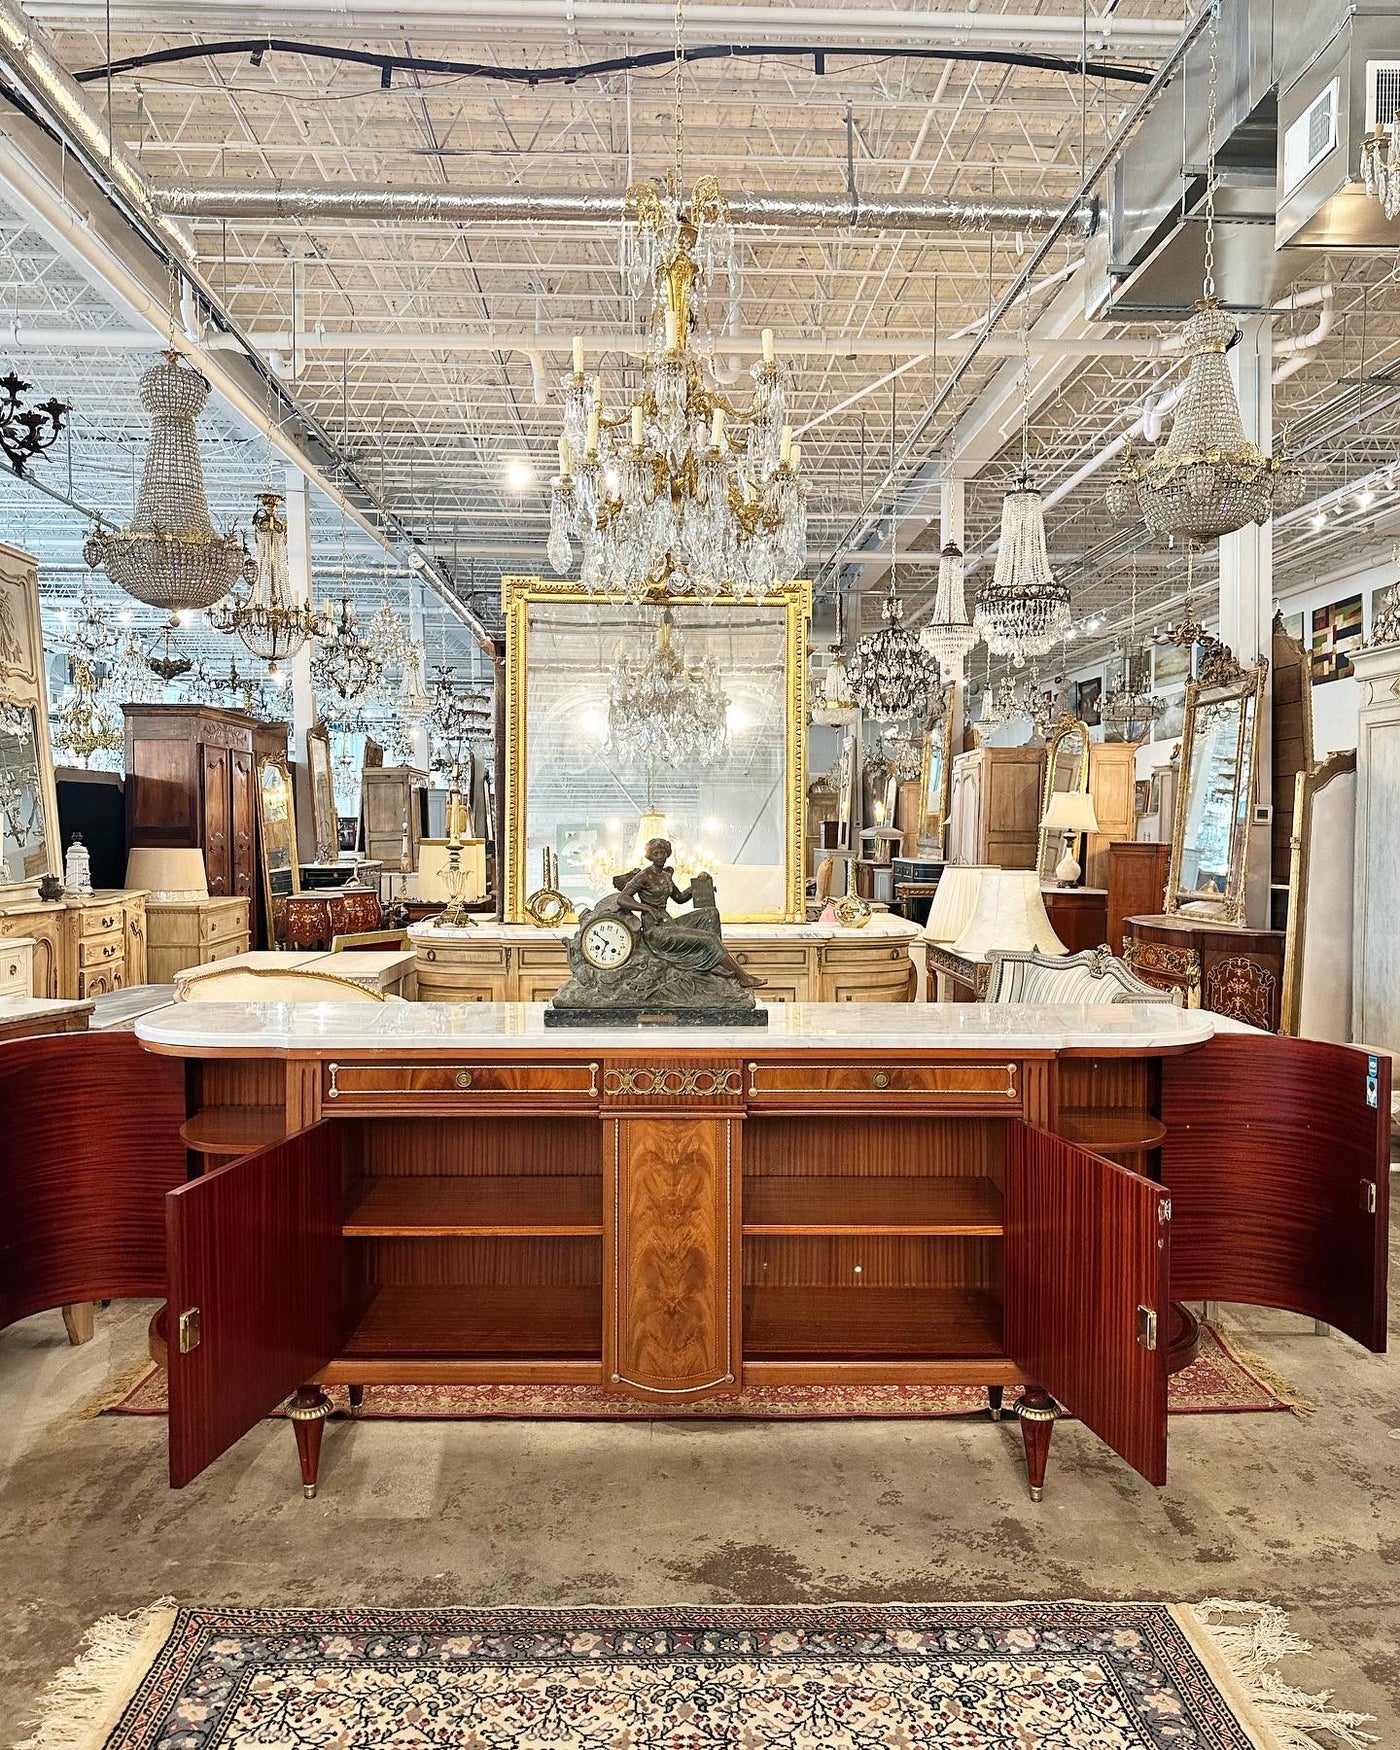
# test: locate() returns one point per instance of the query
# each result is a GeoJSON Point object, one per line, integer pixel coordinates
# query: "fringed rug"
{"type": "Point", "coordinates": [842, 1677]}
{"type": "Point", "coordinates": [1218, 1382]}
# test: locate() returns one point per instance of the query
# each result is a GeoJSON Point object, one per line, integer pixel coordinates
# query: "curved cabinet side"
{"type": "Point", "coordinates": [91, 1144]}
{"type": "Point", "coordinates": [1277, 1160]}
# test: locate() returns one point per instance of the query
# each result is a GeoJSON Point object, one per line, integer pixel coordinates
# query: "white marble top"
{"type": "Point", "coordinates": [881, 924]}
{"type": "Point", "coordinates": [36, 1008]}
{"type": "Point", "coordinates": [327, 1029]}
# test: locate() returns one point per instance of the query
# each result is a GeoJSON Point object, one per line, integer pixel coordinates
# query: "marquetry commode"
{"type": "Point", "coordinates": [418, 1192]}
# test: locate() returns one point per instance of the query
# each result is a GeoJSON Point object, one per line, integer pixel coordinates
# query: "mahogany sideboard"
{"type": "Point", "coordinates": [418, 1192]}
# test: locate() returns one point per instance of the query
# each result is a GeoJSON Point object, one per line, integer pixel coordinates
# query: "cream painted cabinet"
{"type": "Point", "coordinates": [193, 932]}
{"type": "Point", "coordinates": [40, 922]}
{"type": "Point", "coordinates": [103, 941]}
{"type": "Point", "coordinates": [17, 967]}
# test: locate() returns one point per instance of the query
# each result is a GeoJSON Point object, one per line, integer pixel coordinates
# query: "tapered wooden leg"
{"type": "Point", "coordinates": [77, 1319]}
{"type": "Point", "coordinates": [357, 1397]}
{"type": "Point", "coordinates": [307, 1413]}
{"type": "Point", "coordinates": [1036, 1409]}
{"type": "Point", "coordinates": [994, 1393]}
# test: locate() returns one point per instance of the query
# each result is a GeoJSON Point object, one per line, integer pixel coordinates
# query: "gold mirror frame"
{"type": "Point", "coordinates": [271, 764]}
{"type": "Point", "coordinates": [519, 594]}
{"type": "Point", "coordinates": [1247, 687]}
{"type": "Point", "coordinates": [936, 793]}
{"type": "Point", "coordinates": [1064, 727]}
{"type": "Point", "coordinates": [22, 686]}
{"type": "Point", "coordinates": [320, 772]}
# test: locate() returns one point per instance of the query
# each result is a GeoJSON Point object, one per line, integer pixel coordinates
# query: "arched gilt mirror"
{"type": "Point", "coordinates": [1215, 796]}
{"type": "Point", "coordinates": [1066, 769]}
{"type": "Point", "coordinates": [277, 831]}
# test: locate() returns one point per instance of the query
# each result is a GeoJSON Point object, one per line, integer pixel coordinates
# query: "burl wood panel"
{"type": "Point", "coordinates": [256, 1247]}
{"type": "Point", "coordinates": [91, 1146]}
{"type": "Point", "coordinates": [1086, 1246]}
{"type": "Point", "coordinates": [1270, 1151]}
{"type": "Point", "coordinates": [670, 1217]}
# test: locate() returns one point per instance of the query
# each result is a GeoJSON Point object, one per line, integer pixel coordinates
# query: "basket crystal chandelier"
{"type": "Point", "coordinates": [683, 488]}
{"type": "Point", "coordinates": [1024, 610]}
{"type": "Point", "coordinates": [276, 617]}
{"type": "Point", "coordinates": [663, 708]}
{"type": "Point", "coordinates": [949, 636]}
{"type": "Point", "coordinates": [1208, 479]}
{"type": "Point", "coordinates": [170, 555]}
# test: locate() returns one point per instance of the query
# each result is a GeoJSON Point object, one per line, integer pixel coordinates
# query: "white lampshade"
{"type": "Point", "coordinates": [953, 900]}
{"type": "Point", "coordinates": [1009, 916]}
{"type": "Point", "coordinates": [167, 872]}
{"type": "Point", "coordinates": [1071, 811]}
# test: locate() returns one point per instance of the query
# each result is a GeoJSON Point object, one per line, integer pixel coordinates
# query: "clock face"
{"type": "Point", "coordinates": [606, 942]}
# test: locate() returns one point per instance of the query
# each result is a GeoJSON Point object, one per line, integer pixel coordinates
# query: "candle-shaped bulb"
{"type": "Point", "coordinates": [795, 457]}
{"type": "Point", "coordinates": [785, 453]}
{"type": "Point", "coordinates": [578, 355]}
{"type": "Point", "coordinates": [594, 416]}
{"type": "Point", "coordinates": [564, 458]}
{"type": "Point", "coordinates": [637, 431]}
{"type": "Point", "coordinates": [717, 428]}
{"type": "Point", "coordinates": [748, 492]}
{"type": "Point", "coordinates": [672, 330]}
{"type": "Point", "coordinates": [768, 346]}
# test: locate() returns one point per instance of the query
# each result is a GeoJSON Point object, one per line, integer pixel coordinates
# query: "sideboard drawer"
{"type": "Point", "coordinates": [223, 918]}
{"type": "Point", "coordinates": [101, 950]}
{"type": "Point", "coordinates": [101, 920]}
{"type": "Point", "coordinates": [460, 1086]}
{"type": "Point", "coordinates": [961, 1085]}
{"type": "Point", "coordinates": [484, 958]}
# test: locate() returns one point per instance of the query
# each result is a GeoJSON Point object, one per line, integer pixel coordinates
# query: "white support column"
{"type": "Point", "coordinates": [1247, 596]}
{"type": "Point", "coordinates": [421, 751]}
{"type": "Point", "coordinates": [952, 503]}
{"type": "Point", "coordinates": [300, 696]}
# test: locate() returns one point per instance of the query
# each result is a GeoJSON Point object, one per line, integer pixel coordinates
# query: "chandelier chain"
{"type": "Point", "coordinates": [1212, 121]}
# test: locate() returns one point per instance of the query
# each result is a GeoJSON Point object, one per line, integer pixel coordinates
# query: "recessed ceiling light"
{"type": "Point", "coordinates": [1320, 520]}
{"type": "Point", "coordinates": [520, 476]}
{"type": "Point", "coordinates": [1365, 498]}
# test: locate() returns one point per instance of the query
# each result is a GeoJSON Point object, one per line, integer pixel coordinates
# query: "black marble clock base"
{"type": "Point", "coordinates": [654, 1017]}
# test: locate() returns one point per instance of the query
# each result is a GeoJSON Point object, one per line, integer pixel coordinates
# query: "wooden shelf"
{"type": "Point", "coordinates": [234, 1130]}
{"type": "Point", "coordinates": [852, 1205]}
{"type": "Point", "coordinates": [1110, 1130]}
{"type": "Point", "coordinates": [870, 1323]}
{"type": "Point", "coordinates": [521, 1204]}
{"type": "Point", "coordinates": [530, 1319]}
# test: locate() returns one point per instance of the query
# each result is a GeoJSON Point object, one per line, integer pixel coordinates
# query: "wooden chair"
{"type": "Point", "coordinates": [254, 984]}
{"type": "Point", "coordinates": [1092, 976]}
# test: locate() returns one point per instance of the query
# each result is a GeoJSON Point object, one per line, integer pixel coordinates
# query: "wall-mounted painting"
{"type": "Point", "coordinates": [1171, 666]}
{"type": "Point", "coordinates": [1088, 701]}
{"type": "Point", "coordinates": [1336, 636]}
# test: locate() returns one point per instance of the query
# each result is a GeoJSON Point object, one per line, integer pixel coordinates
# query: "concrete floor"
{"type": "Point", "coordinates": [1303, 1513]}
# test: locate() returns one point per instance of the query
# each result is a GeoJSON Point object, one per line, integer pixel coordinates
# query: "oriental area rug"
{"type": "Point", "coordinates": [842, 1677]}
{"type": "Point", "coordinates": [1221, 1380]}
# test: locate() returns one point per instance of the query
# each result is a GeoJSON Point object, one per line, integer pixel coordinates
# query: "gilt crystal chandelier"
{"type": "Point", "coordinates": [683, 488]}
{"type": "Point", "coordinates": [344, 667]}
{"type": "Point", "coordinates": [170, 555]}
{"type": "Point", "coordinates": [891, 674]}
{"type": "Point", "coordinates": [665, 709]}
{"type": "Point", "coordinates": [276, 617]}
{"type": "Point", "coordinates": [1208, 479]}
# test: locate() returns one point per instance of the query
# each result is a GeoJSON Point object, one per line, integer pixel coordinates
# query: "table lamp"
{"type": "Point", "coordinates": [167, 872]}
{"type": "Point", "coordinates": [1070, 813]}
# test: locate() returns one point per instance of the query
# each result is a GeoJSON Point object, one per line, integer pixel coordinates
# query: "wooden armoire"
{"type": "Point", "coordinates": [191, 779]}
{"type": "Point", "coordinates": [995, 806]}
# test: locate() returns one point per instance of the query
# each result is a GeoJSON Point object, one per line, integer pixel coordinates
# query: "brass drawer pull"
{"type": "Point", "coordinates": [108, 922]}
{"type": "Point", "coordinates": [432, 954]}
{"type": "Point", "coordinates": [881, 1078]}
{"type": "Point", "coordinates": [464, 1078]}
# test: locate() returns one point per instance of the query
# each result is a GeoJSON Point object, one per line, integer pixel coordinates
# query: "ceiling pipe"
{"type": "Point", "coordinates": [843, 210]}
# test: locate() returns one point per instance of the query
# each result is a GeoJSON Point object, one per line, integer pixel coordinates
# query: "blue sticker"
{"type": "Point", "coordinates": [1373, 1081]}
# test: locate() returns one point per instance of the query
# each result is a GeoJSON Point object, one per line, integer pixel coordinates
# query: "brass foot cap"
{"type": "Point", "coordinates": [309, 1491]}
{"type": "Point", "coordinates": [996, 1415]}
{"type": "Point", "coordinates": [1036, 1494]}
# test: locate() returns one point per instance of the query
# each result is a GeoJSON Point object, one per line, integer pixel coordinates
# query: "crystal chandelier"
{"type": "Point", "coordinates": [1024, 610]}
{"type": "Point", "coordinates": [88, 723]}
{"type": "Point", "coordinates": [343, 665]}
{"type": "Point", "coordinates": [834, 701]}
{"type": "Point", "coordinates": [1380, 165]}
{"type": "Point", "coordinates": [664, 709]}
{"type": "Point", "coordinates": [170, 555]}
{"type": "Point", "coordinates": [684, 489]}
{"type": "Point", "coordinates": [949, 636]}
{"type": "Point", "coordinates": [456, 718]}
{"type": "Point", "coordinates": [276, 617]}
{"type": "Point", "coordinates": [1208, 479]}
{"type": "Point", "coordinates": [892, 675]}
{"type": "Point", "coordinates": [1132, 710]}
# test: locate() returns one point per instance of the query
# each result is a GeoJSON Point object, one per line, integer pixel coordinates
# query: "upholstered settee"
{"type": "Point", "coordinates": [1092, 976]}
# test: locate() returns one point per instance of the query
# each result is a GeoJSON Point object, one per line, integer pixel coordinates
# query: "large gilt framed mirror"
{"type": "Point", "coordinates": [1066, 769]}
{"type": "Point", "coordinates": [592, 732]}
{"type": "Point", "coordinates": [277, 834]}
{"type": "Point", "coordinates": [29, 836]}
{"type": "Point", "coordinates": [936, 779]}
{"type": "Point", "coordinates": [1215, 797]}
{"type": "Point", "coordinates": [320, 766]}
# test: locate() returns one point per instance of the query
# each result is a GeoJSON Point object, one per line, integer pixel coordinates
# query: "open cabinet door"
{"type": "Point", "coordinates": [89, 1146]}
{"type": "Point", "coordinates": [1086, 1290]}
{"type": "Point", "coordinates": [255, 1291]}
{"type": "Point", "coordinates": [1277, 1160]}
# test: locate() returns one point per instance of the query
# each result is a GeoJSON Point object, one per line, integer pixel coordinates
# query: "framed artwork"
{"type": "Point", "coordinates": [1293, 625]}
{"type": "Point", "coordinates": [1171, 666]}
{"type": "Point", "coordinates": [1336, 636]}
{"type": "Point", "coordinates": [1088, 700]}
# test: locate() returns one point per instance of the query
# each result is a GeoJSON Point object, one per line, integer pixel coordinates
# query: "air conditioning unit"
{"type": "Point", "coordinates": [1382, 94]}
{"type": "Point", "coordinates": [1311, 137]}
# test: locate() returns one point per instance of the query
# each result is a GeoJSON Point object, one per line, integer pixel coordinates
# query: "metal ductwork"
{"type": "Point", "coordinates": [1330, 97]}
{"type": "Point", "coordinates": [431, 206]}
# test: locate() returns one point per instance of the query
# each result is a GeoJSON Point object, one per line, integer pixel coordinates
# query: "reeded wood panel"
{"type": "Point", "coordinates": [670, 1219]}
{"type": "Point", "coordinates": [1086, 1246]}
{"type": "Point", "coordinates": [256, 1247]}
{"type": "Point", "coordinates": [448, 1147]}
{"type": "Point", "coordinates": [91, 1128]}
{"type": "Point", "coordinates": [897, 1147]}
{"type": "Point", "coordinates": [1272, 1156]}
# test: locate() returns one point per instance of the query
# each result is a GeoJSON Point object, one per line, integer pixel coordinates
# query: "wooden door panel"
{"type": "Point", "coordinates": [1273, 1155]}
{"type": "Point", "coordinates": [91, 1146]}
{"type": "Point", "coordinates": [670, 1315]}
{"type": "Point", "coordinates": [1086, 1246]}
{"type": "Point", "coordinates": [214, 777]}
{"type": "Point", "coordinates": [256, 1247]}
{"type": "Point", "coordinates": [242, 861]}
